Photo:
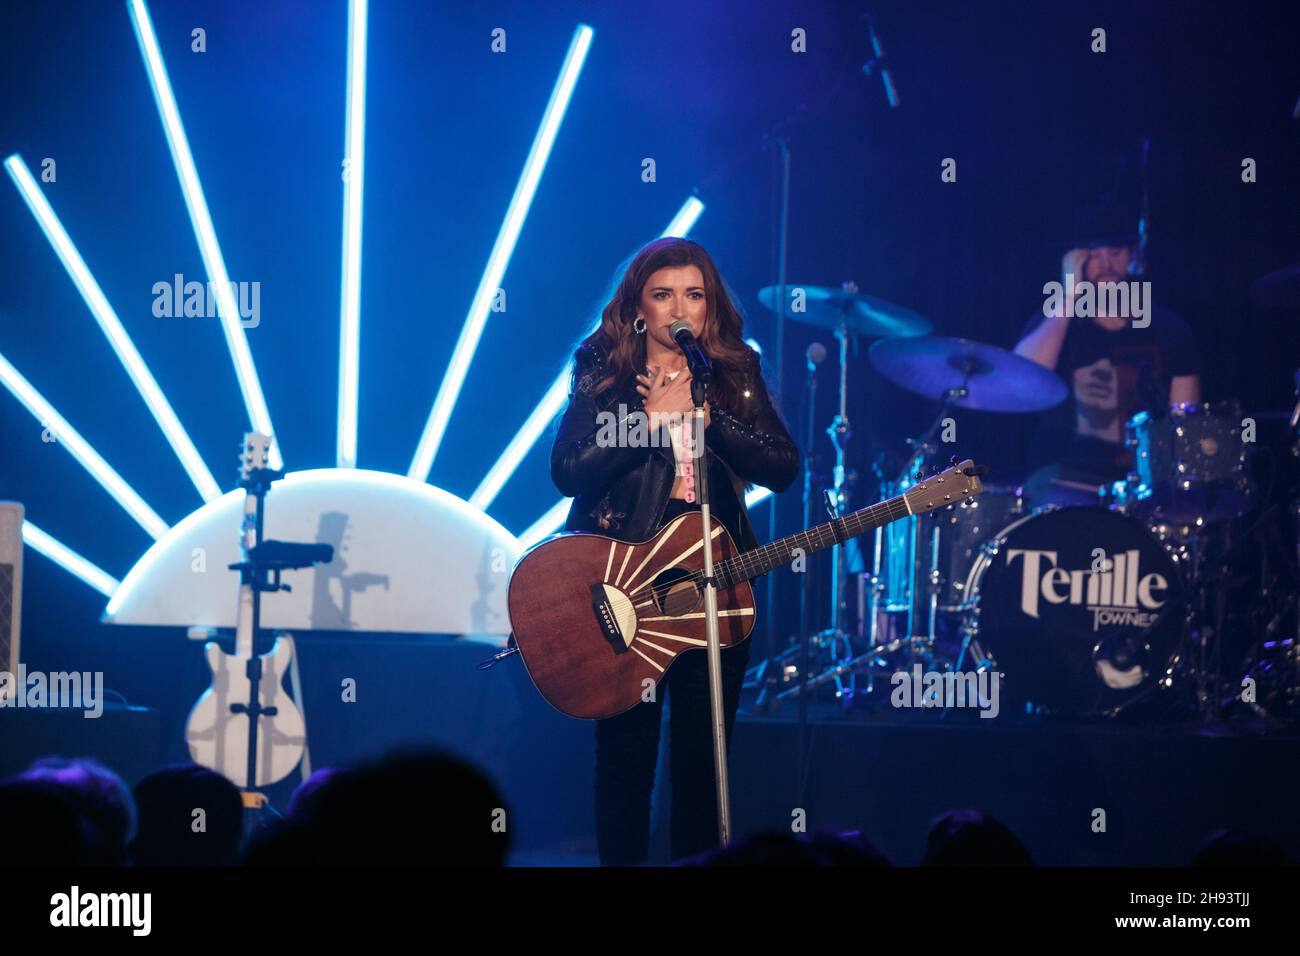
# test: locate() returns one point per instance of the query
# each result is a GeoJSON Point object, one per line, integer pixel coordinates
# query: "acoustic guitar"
{"type": "Point", "coordinates": [598, 621]}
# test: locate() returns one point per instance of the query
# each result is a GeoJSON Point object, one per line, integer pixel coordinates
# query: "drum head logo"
{"type": "Point", "coordinates": [1118, 594]}
{"type": "Point", "coordinates": [1080, 608]}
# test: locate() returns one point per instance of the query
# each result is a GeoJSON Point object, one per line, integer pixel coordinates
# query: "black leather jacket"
{"type": "Point", "coordinates": [622, 491]}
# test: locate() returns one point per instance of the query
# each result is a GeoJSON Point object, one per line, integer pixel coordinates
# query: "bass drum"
{"type": "Point", "coordinates": [1081, 609]}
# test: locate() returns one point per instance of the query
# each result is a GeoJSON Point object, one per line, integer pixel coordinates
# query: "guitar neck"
{"type": "Point", "coordinates": [256, 452]}
{"type": "Point", "coordinates": [244, 617]}
{"type": "Point", "coordinates": [782, 551]}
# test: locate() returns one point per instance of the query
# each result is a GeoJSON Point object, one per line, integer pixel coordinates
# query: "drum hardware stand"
{"type": "Point", "coordinates": [768, 696]}
{"type": "Point", "coordinates": [970, 630]}
{"type": "Point", "coordinates": [1198, 657]}
{"type": "Point", "coordinates": [1211, 699]}
{"type": "Point", "coordinates": [1273, 651]}
{"type": "Point", "coordinates": [836, 500]}
{"type": "Point", "coordinates": [919, 647]}
{"type": "Point", "coordinates": [1286, 659]}
{"type": "Point", "coordinates": [1206, 636]}
{"type": "Point", "coordinates": [970, 624]}
{"type": "Point", "coordinates": [850, 315]}
{"type": "Point", "coordinates": [875, 584]}
{"type": "Point", "coordinates": [927, 583]}
{"type": "Point", "coordinates": [1267, 626]}
{"type": "Point", "coordinates": [930, 583]}
{"type": "Point", "coordinates": [834, 638]}
{"type": "Point", "coordinates": [875, 659]}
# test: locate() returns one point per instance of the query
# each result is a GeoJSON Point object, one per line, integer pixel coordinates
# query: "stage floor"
{"type": "Point", "coordinates": [1162, 791]}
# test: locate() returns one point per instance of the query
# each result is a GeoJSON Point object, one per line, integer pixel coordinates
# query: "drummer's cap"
{"type": "Point", "coordinates": [1103, 221]}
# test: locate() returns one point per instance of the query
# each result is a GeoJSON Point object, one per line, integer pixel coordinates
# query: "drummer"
{"type": "Point", "coordinates": [1114, 365]}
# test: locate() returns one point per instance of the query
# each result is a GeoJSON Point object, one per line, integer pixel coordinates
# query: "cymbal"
{"type": "Point", "coordinates": [995, 380]}
{"type": "Point", "coordinates": [1279, 289]}
{"type": "Point", "coordinates": [825, 307]}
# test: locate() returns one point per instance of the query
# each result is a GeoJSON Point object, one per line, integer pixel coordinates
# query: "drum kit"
{"type": "Point", "coordinates": [1106, 606]}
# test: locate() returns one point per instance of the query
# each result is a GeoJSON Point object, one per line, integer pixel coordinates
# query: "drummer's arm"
{"type": "Point", "coordinates": [1043, 345]}
{"type": "Point", "coordinates": [1185, 389]}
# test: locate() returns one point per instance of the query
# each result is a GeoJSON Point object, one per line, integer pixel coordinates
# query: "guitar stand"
{"type": "Point", "coordinates": [263, 563]}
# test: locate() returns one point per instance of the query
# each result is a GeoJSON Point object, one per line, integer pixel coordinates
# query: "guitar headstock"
{"type": "Point", "coordinates": [257, 450]}
{"type": "Point", "coordinates": [946, 488]}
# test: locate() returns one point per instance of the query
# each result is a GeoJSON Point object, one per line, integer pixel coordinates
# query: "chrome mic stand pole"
{"type": "Point", "coordinates": [700, 454]}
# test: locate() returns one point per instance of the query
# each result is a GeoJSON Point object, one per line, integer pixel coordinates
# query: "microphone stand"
{"type": "Point", "coordinates": [700, 453]}
{"type": "Point", "coordinates": [771, 678]}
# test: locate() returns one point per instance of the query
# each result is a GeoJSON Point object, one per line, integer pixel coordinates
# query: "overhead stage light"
{"type": "Point", "coordinates": [69, 560]}
{"type": "Point", "coordinates": [504, 247]}
{"type": "Point", "coordinates": [213, 261]}
{"type": "Point", "coordinates": [67, 436]}
{"type": "Point", "coordinates": [112, 328]}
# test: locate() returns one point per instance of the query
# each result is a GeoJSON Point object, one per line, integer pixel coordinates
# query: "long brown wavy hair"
{"type": "Point", "coordinates": [625, 349]}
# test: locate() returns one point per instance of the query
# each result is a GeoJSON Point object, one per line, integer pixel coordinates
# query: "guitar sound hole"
{"type": "Point", "coordinates": [676, 593]}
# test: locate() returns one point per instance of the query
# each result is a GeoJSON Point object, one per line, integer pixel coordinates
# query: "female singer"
{"type": "Point", "coordinates": [630, 366]}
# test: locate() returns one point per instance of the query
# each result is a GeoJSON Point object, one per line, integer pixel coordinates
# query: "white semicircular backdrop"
{"type": "Point", "coordinates": [408, 558]}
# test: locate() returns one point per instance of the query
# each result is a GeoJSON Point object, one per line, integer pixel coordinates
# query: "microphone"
{"type": "Point", "coordinates": [816, 354]}
{"type": "Point", "coordinates": [699, 364]}
{"type": "Point", "coordinates": [881, 64]}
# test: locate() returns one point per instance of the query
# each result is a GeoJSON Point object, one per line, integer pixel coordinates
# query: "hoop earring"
{"type": "Point", "coordinates": [638, 325]}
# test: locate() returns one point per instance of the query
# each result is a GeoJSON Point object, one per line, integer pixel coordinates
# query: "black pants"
{"type": "Point", "coordinates": [627, 751]}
